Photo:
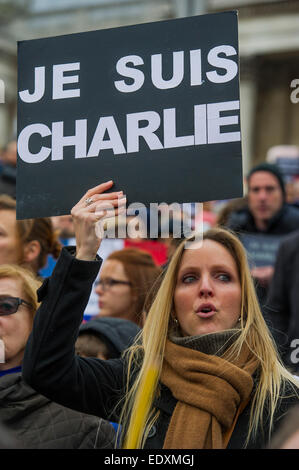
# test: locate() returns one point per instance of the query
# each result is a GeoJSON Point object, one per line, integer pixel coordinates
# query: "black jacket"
{"type": "Point", "coordinates": [286, 220]}
{"type": "Point", "coordinates": [282, 309]}
{"type": "Point", "coordinates": [35, 422]}
{"type": "Point", "coordinates": [97, 386]}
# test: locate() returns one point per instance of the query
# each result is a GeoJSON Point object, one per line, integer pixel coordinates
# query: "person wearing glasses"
{"type": "Point", "coordinates": [125, 283]}
{"type": "Point", "coordinates": [32, 420]}
{"type": "Point", "coordinates": [204, 372]}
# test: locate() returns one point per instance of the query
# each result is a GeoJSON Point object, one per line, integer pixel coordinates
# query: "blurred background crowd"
{"type": "Point", "coordinates": [266, 219]}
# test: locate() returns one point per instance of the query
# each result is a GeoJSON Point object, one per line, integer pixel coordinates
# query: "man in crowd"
{"type": "Point", "coordinates": [263, 222]}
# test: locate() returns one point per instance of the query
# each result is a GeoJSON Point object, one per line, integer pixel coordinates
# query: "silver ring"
{"type": "Point", "coordinates": [88, 201]}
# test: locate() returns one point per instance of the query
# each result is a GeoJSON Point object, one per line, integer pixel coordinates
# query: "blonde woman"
{"type": "Point", "coordinates": [32, 420]}
{"type": "Point", "coordinates": [217, 381]}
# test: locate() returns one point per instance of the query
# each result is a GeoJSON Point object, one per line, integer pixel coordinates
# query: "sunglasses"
{"type": "Point", "coordinates": [9, 305]}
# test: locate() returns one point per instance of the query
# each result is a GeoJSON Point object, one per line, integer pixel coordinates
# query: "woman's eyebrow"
{"type": "Point", "coordinates": [192, 269]}
{"type": "Point", "coordinates": [223, 267]}
{"type": "Point", "coordinates": [213, 267]}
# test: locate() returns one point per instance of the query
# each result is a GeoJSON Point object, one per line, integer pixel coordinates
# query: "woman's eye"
{"type": "Point", "coordinates": [188, 279]}
{"type": "Point", "coordinates": [224, 277]}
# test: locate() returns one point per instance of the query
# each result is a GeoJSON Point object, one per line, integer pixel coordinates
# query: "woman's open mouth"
{"type": "Point", "coordinates": [206, 310]}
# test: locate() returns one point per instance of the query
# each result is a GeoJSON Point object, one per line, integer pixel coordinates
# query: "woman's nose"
{"type": "Point", "coordinates": [99, 289]}
{"type": "Point", "coordinates": [205, 287]}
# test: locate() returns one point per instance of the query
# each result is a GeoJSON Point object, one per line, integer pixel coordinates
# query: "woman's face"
{"type": "Point", "coordinates": [9, 252]}
{"type": "Point", "coordinates": [114, 300]}
{"type": "Point", "coordinates": [14, 328]}
{"type": "Point", "coordinates": [207, 295]}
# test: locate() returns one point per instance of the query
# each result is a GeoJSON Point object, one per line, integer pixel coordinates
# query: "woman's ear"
{"type": "Point", "coordinates": [31, 252]}
{"type": "Point", "coordinates": [174, 318]}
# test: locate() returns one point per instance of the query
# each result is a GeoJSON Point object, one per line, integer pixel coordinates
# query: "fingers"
{"type": "Point", "coordinates": [111, 209]}
{"type": "Point", "coordinates": [99, 205]}
{"type": "Point", "coordinates": [96, 205]}
{"type": "Point", "coordinates": [108, 214]}
{"type": "Point", "coordinates": [97, 190]}
{"type": "Point", "coordinates": [104, 200]}
{"type": "Point", "coordinates": [105, 204]}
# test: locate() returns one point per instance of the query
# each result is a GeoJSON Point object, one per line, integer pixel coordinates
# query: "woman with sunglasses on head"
{"type": "Point", "coordinates": [204, 358]}
{"type": "Point", "coordinates": [125, 281]}
{"type": "Point", "coordinates": [32, 420]}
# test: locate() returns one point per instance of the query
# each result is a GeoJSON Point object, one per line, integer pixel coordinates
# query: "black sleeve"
{"type": "Point", "coordinates": [277, 309]}
{"type": "Point", "coordinates": [50, 364]}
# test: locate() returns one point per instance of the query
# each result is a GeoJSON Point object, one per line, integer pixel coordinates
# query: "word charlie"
{"type": "Point", "coordinates": [122, 133]}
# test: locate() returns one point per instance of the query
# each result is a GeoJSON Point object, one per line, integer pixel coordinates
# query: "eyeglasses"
{"type": "Point", "coordinates": [9, 305]}
{"type": "Point", "coordinates": [108, 282]}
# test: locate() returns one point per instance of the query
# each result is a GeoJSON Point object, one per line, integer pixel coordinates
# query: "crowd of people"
{"type": "Point", "coordinates": [171, 342]}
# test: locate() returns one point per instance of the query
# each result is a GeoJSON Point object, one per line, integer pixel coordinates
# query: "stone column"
{"type": "Point", "coordinates": [248, 97]}
{"type": "Point", "coordinates": [7, 104]}
{"type": "Point", "coordinates": [190, 7]}
{"type": "Point", "coordinates": [3, 107]}
{"type": "Point", "coordinates": [3, 125]}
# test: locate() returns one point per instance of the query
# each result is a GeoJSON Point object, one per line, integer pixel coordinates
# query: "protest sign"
{"type": "Point", "coordinates": [286, 157]}
{"type": "Point", "coordinates": [154, 107]}
{"type": "Point", "coordinates": [261, 248]}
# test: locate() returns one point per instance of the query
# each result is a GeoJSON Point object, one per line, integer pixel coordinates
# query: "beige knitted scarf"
{"type": "Point", "coordinates": [209, 390]}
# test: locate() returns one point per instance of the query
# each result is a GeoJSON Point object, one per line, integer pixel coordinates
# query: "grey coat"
{"type": "Point", "coordinates": [35, 422]}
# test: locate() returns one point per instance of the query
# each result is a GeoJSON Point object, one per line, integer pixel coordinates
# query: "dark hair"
{"type": "Point", "coordinates": [231, 206]}
{"type": "Point", "coordinates": [40, 229]}
{"type": "Point", "coordinates": [90, 344]}
{"type": "Point", "coordinates": [270, 168]}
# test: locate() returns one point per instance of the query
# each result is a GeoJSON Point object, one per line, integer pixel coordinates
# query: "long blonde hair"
{"type": "Point", "coordinates": [148, 350]}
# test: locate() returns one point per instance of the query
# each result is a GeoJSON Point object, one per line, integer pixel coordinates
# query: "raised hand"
{"type": "Point", "coordinates": [92, 207]}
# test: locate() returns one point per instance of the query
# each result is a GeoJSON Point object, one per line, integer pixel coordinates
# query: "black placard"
{"type": "Point", "coordinates": [154, 107]}
{"type": "Point", "coordinates": [261, 248]}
